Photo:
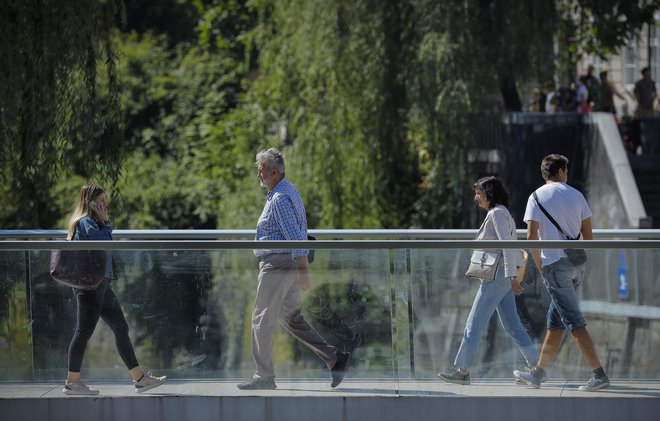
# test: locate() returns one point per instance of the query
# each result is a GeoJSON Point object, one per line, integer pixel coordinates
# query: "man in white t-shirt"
{"type": "Point", "coordinates": [561, 277]}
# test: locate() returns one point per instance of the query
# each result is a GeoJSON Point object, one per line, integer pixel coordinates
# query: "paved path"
{"type": "Point", "coordinates": [349, 388]}
{"type": "Point", "coordinates": [353, 400]}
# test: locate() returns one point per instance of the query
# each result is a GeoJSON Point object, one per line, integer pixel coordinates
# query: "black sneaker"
{"type": "Point", "coordinates": [339, 369]}
{"type": "Point", "coordinates": [454, 376]}
{"type": "Point", "coordinates": [257, 384]}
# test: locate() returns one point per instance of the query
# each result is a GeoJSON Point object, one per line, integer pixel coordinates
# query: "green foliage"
{"type": "Point", "coordinates": [176, 20]}
{"type": "Point", "coordinates": [442, 99]}
{"type": "Point", "coordinates": [346, 147]}
{"type": "Point", "coordinates": [371, 101]}
{"type": "Point", "coordinates": [52, 115]}
{"type": "Point", "coordinates": [158, 193]}
{"type": "Point", "coordinates": [604, 25]}
{"type": "Point", "coordinates": [181, 163]}
{"type": "Point", "coordinates": [597, 27]}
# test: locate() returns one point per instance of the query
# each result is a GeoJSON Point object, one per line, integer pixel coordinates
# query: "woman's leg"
{"type": "Point", "coordinates": [511, 323]}
{"type": "Point", "coordinates": [483, 307]}
{"type": "Point", "coordinates": [113, 315]}
{"type": "Point", "coordinates": [89, 306]}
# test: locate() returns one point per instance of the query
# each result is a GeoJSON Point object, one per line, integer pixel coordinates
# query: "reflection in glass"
{"type": "Point", "coordinates": [15, 326]}
{"type": "Point", "coordinates": [400, 312]}
{"type": "Point", "coordinates": [189, 314]}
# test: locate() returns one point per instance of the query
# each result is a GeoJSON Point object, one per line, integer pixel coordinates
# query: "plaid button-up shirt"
{"type": "Point", "coordinates": [283, 218]}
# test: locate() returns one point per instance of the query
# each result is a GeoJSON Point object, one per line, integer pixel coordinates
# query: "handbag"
{"type": "Point", "coordinates": [575, 256]}
{"type": "Point", "coordinates": [483, 264]}
{"type": "Point", "coordinates": [82, 269]}
{"type": "Point", "coordinates": [310, 255]}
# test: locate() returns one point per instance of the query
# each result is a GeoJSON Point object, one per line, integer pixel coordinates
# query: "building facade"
{"type": "Point", "coordinates": [625, 66]}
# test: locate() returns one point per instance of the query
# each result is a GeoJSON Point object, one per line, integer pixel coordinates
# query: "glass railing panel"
{"type": "Point", "coordinates": [618, 296]}
{"type": "Point", "coordinates": [400, 311]}
{"type": "Point", "coordinates": [189, 314]}
{"type": "Point", "coordinates": [441, 301]}
{"type": "Point", "coordinates": [350, 306]}
{"type": "Point", "coordinates": [15, 317]}
{"type": "Point", "coordinates": [402, 328]}
{"type": "Point", "coordinates": [624, 276]}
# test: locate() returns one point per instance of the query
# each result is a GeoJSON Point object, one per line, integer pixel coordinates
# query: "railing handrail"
{"type": "Point", "coordinates": [429, 234]}
{"type": "Point", "coordinates": [322, 244]}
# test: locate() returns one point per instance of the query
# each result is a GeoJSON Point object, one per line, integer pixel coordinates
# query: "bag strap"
{"type": "Point", "coordinates": [481, 228]}
{"type": "Point", "coordinates": [513, 227]}
{"type": "Point", "coordinates": [553, 219]}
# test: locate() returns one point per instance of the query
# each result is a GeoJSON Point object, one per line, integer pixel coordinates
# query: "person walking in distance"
{"type": "Point", "coordinates": [90, 221]}
{"type": "Point", "coordinates": [561, 276]}
{"type": "Point", "coordinates": [607, 91]}
{"type": "Point", "coordinates": [282, 275]}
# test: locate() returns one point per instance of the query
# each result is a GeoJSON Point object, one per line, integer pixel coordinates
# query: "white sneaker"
{"type": "Point", "coordinates": [78, 388]}
{"type": "Point", "coordinates": [595, 384]}
{"type": "Point", "coordinates": [527, 369]}
{"type": "Point", "coordinates": [148, 382]}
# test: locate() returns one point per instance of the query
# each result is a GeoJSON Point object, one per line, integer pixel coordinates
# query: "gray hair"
{"type": "Point", "coordinates": [273, 160]}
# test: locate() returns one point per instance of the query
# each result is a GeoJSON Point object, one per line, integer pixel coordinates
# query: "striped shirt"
{"type": "Point", "coordinates": [283, 218]}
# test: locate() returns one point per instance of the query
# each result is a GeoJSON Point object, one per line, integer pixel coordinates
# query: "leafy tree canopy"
{"type": "Point", "coordinates": [371, 101]}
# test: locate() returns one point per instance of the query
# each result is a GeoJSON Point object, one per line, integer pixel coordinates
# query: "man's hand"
{"type": "Point", "coordinates": [516, 287]}
{"type": "Point", "coordinates": [303, 281]}
{"type": "Point", "coordinates": [303, 273]}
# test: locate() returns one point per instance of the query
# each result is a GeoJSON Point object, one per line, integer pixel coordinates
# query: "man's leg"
{"type": "Point", "coordinates": [556, 324]}
{"type": "Point", "coordinates": [586, 345]}
{"type": "Point", "coordinates": [588, 350]}
{"type": "Point", "coordinates": [273, 285]}
{"type": "Point", "coordinates": [563, 279]}
{"type": "Point", "coordinates": [294, 322]}
{"type": "Point", "coordinates": [550, 347]}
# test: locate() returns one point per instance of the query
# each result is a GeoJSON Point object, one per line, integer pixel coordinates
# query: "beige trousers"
{"type": "Point", "coordinates": [278, 299]}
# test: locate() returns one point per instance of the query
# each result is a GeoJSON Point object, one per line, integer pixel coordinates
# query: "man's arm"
{"type": "Point", "coordinates": [585, 229]}
{"type": "Point", "coordinates": [615, 90]}
{"type": "Point", "coordinates": [636, 91]}
{"type": "Point", "coordinates": [533, 234]}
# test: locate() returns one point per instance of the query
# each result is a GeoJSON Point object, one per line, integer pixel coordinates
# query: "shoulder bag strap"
{"type": "Point", "coordinates": [481, 228]}
{"type": "Point", "coordinates": [552, 219]}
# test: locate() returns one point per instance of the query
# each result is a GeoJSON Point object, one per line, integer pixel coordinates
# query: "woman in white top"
{"type": "Point", "coordinates": [498, 294]}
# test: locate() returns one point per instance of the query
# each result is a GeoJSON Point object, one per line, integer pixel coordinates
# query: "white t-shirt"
{"type": "Point", "coordinates": [567, 206]}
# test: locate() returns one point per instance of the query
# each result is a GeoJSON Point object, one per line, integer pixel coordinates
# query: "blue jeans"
{"type": "Point", "coordinates": [495, 295]}
{"type": "Point", "coordinates": [562, 279]}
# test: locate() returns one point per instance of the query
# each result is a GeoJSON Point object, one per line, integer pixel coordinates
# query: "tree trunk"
{"type": "Point", "coordinates": [510, 93]}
